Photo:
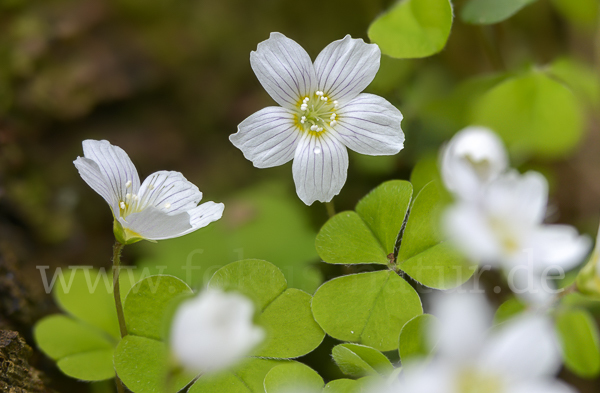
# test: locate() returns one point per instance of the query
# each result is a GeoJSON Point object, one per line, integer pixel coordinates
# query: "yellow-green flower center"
{"type": "Point", "coordinates": [317, 113]}
{"type": "Point", "coordinates": [474, 381]}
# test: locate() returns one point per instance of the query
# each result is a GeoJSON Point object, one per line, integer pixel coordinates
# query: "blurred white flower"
{"type": "Point", "coordinates": [473, 158]}
{"type": "Point", "coordinates": [322, 113]}
{"type": "Point", "coordinates": [164, 206]}
{"type": "Point", "coordinates": [213, 331]}
{"type": "Point", "coordinates": [520, 356]}
{"type": "Point", "coordinates": [505, 229]}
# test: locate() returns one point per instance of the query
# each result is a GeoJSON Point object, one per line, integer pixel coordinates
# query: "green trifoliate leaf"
{"type": "Point", "coordinates": [368, 308]}
{"type": "Point", "coordinates": [413, 28]}
{"type": "Point", "coordinates": [414, 343]}
{"type": "Point", "coordinates": [579, 340]}
{"type": "Point", "coordinates": [486, 12]}
{"type": "Point", "coordinates": [423, 254]}
{"type": "Point", "coordinates": [293, 377]}
{"type": "Point", "coordinates": [368, 235]}
{"type": "Point", "coordinates": [248, 377]}
{"type": "Point", "coordinates": [83, 343]}
{"type": "Point", "coordinates": [142, 358]}
{"type": "Point", "coordinates": [285, 314]}
{"type": "Point", "coordinates": [359, 360]}
{"type": "Point", "coordinates": [533, 113]}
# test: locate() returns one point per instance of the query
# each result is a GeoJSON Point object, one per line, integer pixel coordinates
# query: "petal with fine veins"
{"type": "Point", "coordinates": [320, 167]}
{"type": "Point", "coordinates": [115, 165]}
{"type": "Point", "coordinates": [268, 138]}
{"type": "Point", "coordinates": [204, 214]}
{"type": "Point", "coordinates": [93, 176]}
{"type": "Point", "coordinates": [370, 125]}
{"type": "Point", "coordinates": [154, 224]}
{"type": "Point", "coordinates": [169, 191]}
{"type": "Point", "coordinates": [284, 69]}
{"type": "Point", "coordinates": [346, 67]}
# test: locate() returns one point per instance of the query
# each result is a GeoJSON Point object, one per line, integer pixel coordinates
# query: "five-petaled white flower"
{"type": "Point", "coordinates": [214, 330]}
{"type": "Point", "coordinates": [519, 356]}
{"type": "Point", "coordinates": [322, 113]}
{"type": "Point", "coordinates": [473, 158]}
{"type": "Point", "coordinates": [164, 206]}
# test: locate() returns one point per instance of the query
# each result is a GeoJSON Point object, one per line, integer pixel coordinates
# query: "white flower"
{"type": "Point", "coordinates": [473, 158]}
{"type": "Point", "coordinates": [506, 227]}
{"type": "Point", "coordinates": [322, 113]}
{"type": "Point", "coordinates": [214, 330]}
{"type": "Point", "coordinates": [163, 207]}
{"type": "Point", "coordinates": [520, 356]}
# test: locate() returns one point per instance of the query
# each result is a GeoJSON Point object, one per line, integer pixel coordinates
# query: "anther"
{"type": "Point", "coordinates": [122, 205]}
{"type": "Point", "coordinates": [335, 104]}
{"type": "Point", "coordinates": [314, 127]}
{"type": "Point", "coordinates": [306, 99]}
{"type": "Point", "coordinates": [320, 129]}
{"type": "Point", "coordinates": [134, 197]}
{"type": "Point", "coordinates": [303, 107]}
{"type": "Point", "coordinates": [151, 187]}
{"type": "Point", "coordinates": [332, 117]}
{"type": "Point", "coordinates": [128, 196]}
{"type": "Point", "coordinates": [333, 123]}
{"type": "Point", "coordinates": [167, 205]}
{"type": "Point", "coordinates": [319, 93]}
{"type": "Point", "coordinates": [128, 184]}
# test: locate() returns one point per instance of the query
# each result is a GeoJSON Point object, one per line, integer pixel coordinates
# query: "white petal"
{"type": "Point", "coordinates": [169, 191]}
{"type": "Point", "coordinates": [320, 167]}
{"type": "Point", "coordinates": [268, 138]}
{"type": "Point", "coordinates": [154, 224]}
{"type": "Point", "coordinates": [370, 125]}
{"type": "Point", "coordinates": [204, 214]}
{"type": "Point", "coordinates": [467, 226]}
{"type": "Point", "coordinates": [464, 320]}
{"type": "Point", "coordinates": [542, 386]}
{"type": "Point", "coordinates": [520, 198]}
{"type": "Point", "coordinates": [559, 246]}
{"type": "Point", "coordinates": [523, 348]}
{"type": "Point", "coordinates": [346, 67]}
{"type": "Point", "coordinates": [473, 157]}
{"type": "Point", "coordinates": [529, 285]}
{"type": "Point", "coordinates": [284, 69]}
{"type": "Point", "coordinates": [90, 172]}
{"type": "Point", "coordinates": [116, 166]}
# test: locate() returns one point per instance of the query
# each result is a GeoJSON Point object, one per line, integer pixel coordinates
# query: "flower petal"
{"type": "Point", "coordinates": [90, 172]}
{"type": "Point", "coordinates": [155, 224]}
{"type": "Point", "coordinates": [268, 138]}
{"type": "Point", "coordinates": [115, 165]}
{"type": "Point", "coordinates": [559, 246]}
{"type": "Point", "coordinates": [284, 69]}
{"type": "Point", "coordinates": [320, 167]}
{"type": "Point", "coordinates": [370, 125]}
{"type": "Point", "coordinates": [169, 191]}
{"type": "Point", "coordinates": [346, 67]}
{"type": "Point", "coordinates": [204, 214]}
{"type": "Point", "coordinates": [524, 348]}
{"type": "Point", "coordinates": [542, 386]}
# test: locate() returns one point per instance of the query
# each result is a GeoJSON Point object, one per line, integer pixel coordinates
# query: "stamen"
{"type": "Point", "coordinates": [320, 129]}
{"type": "Point", "coordinates": [335, 104]}
{"type": "Point", "coordinates": [306, 99]}
{"type": "Point", "coordinates": [167, 205]}
{"type": "Point", "coordinates": [314, 127]}
{"type": "Point", "coordinates": [122, 205]}
{"type": "Point", "coordinates": [333, 123]}
{"type": "Point", "coordinates": [128, 196]}
{"type": "Point", "coordinates": [319, 93]}
{"type": "Point", "coordinates": [128, 184]}
{"type": "Point", "coordinates": [332, 117]}
{"type": "Point", "coordinates": [135, 197]}
{"type": "Point", "coordinates": [151, 187]}
{"type": "Point", "coordinates": [303, 107]}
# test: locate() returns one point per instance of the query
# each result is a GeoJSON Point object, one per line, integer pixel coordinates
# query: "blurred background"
{"type": "Point", "coordinates": [168, 81]}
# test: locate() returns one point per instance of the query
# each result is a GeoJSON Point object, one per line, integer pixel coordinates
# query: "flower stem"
{"type": "Point", "coordinates": [330, 208]}
{"type": "Point", "coordinates": [117, 248]}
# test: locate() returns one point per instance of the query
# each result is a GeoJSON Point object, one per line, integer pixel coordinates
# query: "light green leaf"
{"type": "Point", "coordinates": [148, 301]}
{"type": "Point", "coordinates": [293, 377]}
{"type": "Point", "coordinates": [423, 255]}
{"type": "Point", "coordinates": [413, 28]}
{"type": "Point", "coordinates": [142, 364]}
{"type": "Point", "coordinates": [368, 235]}
{"type": "Point", "coordinates": [414, 342]}
{"type": "Point", "coordinates": [582, 78]}
{"type": "Point", "coordinates": [359, 360]}
{"type": "Point", "coordinates": [67, 341]}
{"type": "Point", "coordinates": [346, 239]}
{"type": "Point", "coordinates": [369, 308]}
{"type": "Point", "coordinates": [285, 314]}
{"type": "Point", "coordinates": [510, 308]}
{"type": "Point", "coordinates": [579, 340]}
{"type": "Point", "coordinates": [425, 171]}
{"type": "Point", "coordinates": [248, 377]}
{"type": "Point", "coordinates": [384, 209]}
{"type": "Point", "coordinates": [343, 386]}
{"type": "Point", "coordinates": [485, 12]}
{"type": "Point", "coordinates": [533, 113]}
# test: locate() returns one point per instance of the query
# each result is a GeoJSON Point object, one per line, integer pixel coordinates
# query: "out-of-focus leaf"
{"type": "Point", "coordinates": [413, 28]}
{"type": "Point", "coordinates": [579, 338]}
{"type": "Point", "coordinates": [414, 342]}
{"type": "Point", "coordinates": [293, 377]}
{"type": "Point", "coordinates": [485, 12]}
{"type": "Point", "coordinates": [583, 13]}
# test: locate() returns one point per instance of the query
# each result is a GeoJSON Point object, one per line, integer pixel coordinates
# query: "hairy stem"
{"type": "Point", "coordinates": [330, 208]}
{"type": "Point", "coordinates": [117, 248]}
